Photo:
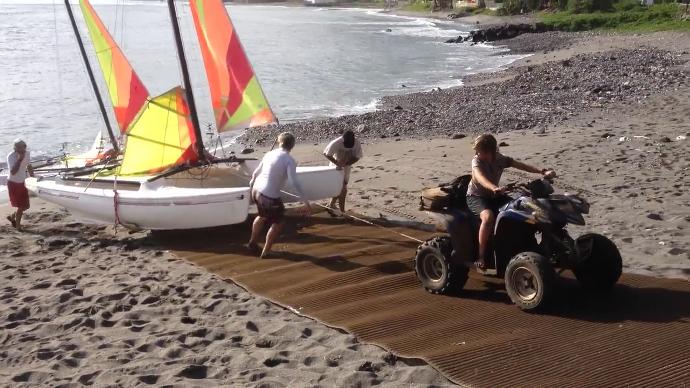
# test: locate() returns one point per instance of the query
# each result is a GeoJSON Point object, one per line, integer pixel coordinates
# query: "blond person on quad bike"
{"type": "Point", "coordinates": [484, 195]}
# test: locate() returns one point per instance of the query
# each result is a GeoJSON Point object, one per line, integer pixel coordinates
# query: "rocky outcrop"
{"type": "Point", "coordinates": [501, 32]}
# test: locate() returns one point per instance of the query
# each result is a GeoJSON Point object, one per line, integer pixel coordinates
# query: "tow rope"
{"type": "Point", "coordinates": [361, 220]}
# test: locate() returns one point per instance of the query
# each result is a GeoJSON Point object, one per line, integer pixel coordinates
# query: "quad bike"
{"type": "Point", "coordinates": [529, 243]}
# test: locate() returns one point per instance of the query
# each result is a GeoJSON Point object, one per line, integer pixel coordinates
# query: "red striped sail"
{"type": "Point", "coordinates": [127, 93]}
{"type": "Point", "coordinates": [238, 100]}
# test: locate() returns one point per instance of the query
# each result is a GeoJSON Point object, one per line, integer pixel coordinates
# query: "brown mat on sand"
{"type": "Point", "coordinates": [360, 278]}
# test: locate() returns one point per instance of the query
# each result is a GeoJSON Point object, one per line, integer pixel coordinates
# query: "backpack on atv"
{"type": "Point", "coordinates": [445, 196]}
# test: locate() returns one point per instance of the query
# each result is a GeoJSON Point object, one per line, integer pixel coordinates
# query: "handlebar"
{"type": "Point", "coordinates": [527, 187]}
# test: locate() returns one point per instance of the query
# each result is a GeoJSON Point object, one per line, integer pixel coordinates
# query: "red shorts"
{"type": "Point", "coordinates": [19, 195]}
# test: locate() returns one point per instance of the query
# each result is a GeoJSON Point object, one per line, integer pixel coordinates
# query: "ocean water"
{"type": "Point", "coordinates": [312, 62]}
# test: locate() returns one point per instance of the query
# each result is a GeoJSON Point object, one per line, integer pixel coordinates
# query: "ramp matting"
{"type": "Point", "coordinates": [360, 278]}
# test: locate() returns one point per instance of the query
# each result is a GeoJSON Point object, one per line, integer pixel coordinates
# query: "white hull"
{"type": "Point", "coordinates": [149, 208]}
{"type": "Point", "coordinates": [177, 202]}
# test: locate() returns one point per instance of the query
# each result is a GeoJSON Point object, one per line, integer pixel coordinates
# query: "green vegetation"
{"type": "Point", "coordinates": [582, 15]}
{"type": "Point", "coordinates": [418, 6]}
{"type": "Point", "coordinates": [622, 16]}
{"type": "Point", "coordinates": [467, 11]}
{"type": "Point", "coordinates": [484, 11]}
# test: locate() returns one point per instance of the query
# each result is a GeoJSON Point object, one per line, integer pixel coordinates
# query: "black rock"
{"type": "Point", "coordinates": [247, 150]}
{"type": "Point", "coordinates": [459, 136]}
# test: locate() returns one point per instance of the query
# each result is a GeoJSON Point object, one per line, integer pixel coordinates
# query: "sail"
{"type": "Point", "coordinates": [238, 100]}
{"type": "Point", "coordinates": [161, 136]}
{"type": "Point", "coordinates": [127, 93]}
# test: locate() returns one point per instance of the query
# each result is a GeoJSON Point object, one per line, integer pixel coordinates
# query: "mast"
{"type": "Point", "coordinates": [113, 139]}
{"type": "Point", "coordinates": [187, 84]}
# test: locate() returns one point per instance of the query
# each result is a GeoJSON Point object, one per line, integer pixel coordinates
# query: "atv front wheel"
{"type": "Point", "coordinates": [529, 280]}
{"type": "Point", "coordinates": [601, 265]}
{"type": "Point", "coordinates": [435, 269]}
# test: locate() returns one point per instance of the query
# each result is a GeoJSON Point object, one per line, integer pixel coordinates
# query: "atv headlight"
{"type": "Point", "coordinates": [538, 212]}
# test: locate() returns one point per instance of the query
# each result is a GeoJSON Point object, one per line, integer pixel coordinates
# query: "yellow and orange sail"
{"type": "Point", "coordinates": [238, 100]}
{"type": "Point", "coordinates": [161, 137]}
{"type": "Point", "coordinates": [127, 93]}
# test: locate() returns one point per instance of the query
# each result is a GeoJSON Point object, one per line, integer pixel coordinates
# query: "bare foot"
{"type": "Point", "coordinates": [270, 255]}
{"type": "Point", "coordinates": [254, 248]}
{"type": "Point", "coordinates": [480, 266]}
{"type": "Point", "coordinates": [11, 220]}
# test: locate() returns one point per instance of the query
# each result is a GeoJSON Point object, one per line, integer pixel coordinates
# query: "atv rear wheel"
{"type": "Point", "coordinates": [529, 280]}
{"type": "Point", "coordinates": [435, 268]}
{"type": "Point", "coordinates": [602, 265]}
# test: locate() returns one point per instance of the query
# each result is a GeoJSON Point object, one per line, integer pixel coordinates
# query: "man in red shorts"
{"type": "Point", "coordinates": [19, 167]}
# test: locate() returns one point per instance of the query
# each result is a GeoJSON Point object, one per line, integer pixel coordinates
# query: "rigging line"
{"type": "Point", "coordinates": [361, 220]}
{"type": "Point", "coordinates": [165, 132]}
{"type": "Point", "coordinates": [57, 53]}
{"type": "Point", "coordinates": [122, 24]}
{"type": "Point", "coordinates": [112, 63]}
{"type": "Point", "coordinates": [177, 54]}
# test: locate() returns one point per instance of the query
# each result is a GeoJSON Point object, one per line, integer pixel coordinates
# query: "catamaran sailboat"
{"type": "Point", "coordinates": [165, 179]}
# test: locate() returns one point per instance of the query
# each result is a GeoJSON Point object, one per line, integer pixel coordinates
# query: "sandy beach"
{"type": "Point", "coordinates": [91, 305]}
{"type": "Point", "coordinates": [101, 306]}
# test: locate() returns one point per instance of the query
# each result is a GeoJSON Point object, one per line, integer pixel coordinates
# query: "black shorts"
{"type": "Point", "coordinates": [478, 204]}
{"type": "Point", "coordinates": [269, 208]}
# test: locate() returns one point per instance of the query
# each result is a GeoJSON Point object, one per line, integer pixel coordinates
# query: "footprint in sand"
{"type": "Point", "coordinates": [264, 343]}
{"type": "Point", "coordinates": [194, 372]}
{"type": "Point", "coordinates": [45, 354]}
{"type": "Point", "coordinates": [88, 379]}
{"type": "Point", "coordinates": [257, 376]}
{"type": "Point", "coordinates": [251, 326]}
{"type": "Point", "coordinates": [30, 377]}
{"type": "Point", "coordinates": [309, 361]}
{"type": "Point", "coordinates": [273, 362]}
{"type": "Point", "coordinates": [149, 379]}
